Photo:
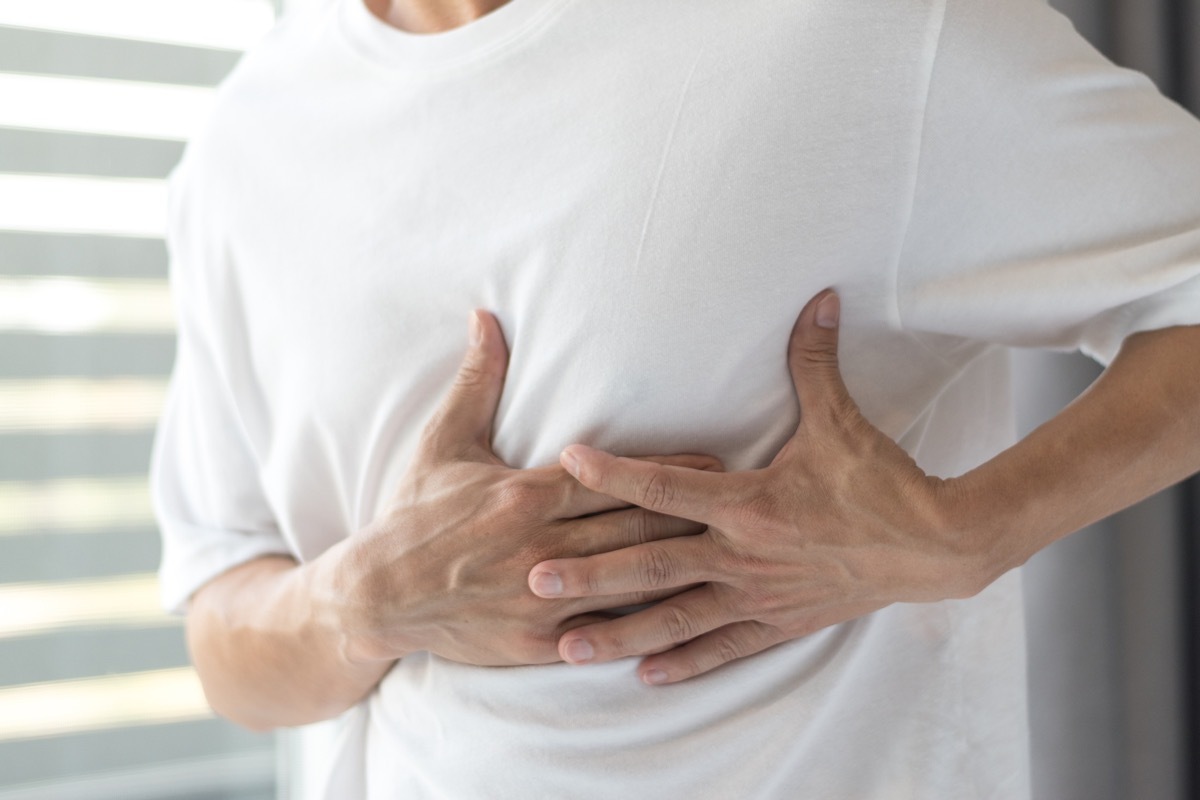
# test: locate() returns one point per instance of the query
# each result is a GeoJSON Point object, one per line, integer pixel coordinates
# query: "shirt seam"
{"type": "Point", "coordinates": [662, 164]}
{"type": "Point", "coordinates": [935, 51]}
{"type": "Point", "coordinates": [448, 68]}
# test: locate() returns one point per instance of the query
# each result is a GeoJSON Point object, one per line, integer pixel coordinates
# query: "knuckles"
{"type": "Point", "coordinates": [656, 567]}
{"type": "Point", "coordinates": [473, 374]}
{"type": "Point", "coordinates": [677, 625]}
{"type": "Point", "coordinates": [808, 354]}
{"type": "Point", "coordinates": [726, 648]}
{"type": "Point", "coordinates": [757, 602]}
{"type": "Point", "coordinates": [761, 509]}
{"type": "Point", "coordinates": [523, 498]}
{"type": "Point", "coordinates": [613, 645]}
{"type": "Point", "coordinates": [658, 490]}
{"type": "Point", "coordinates": [638, 528]}
{"type": "Point", "coordinates": [588, 579]}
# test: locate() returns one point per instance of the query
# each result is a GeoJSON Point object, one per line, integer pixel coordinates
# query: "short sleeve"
{"type": "Point", "coordinates": [204, 476]}
{"type": "Point", "coordinates": [1057, 196]}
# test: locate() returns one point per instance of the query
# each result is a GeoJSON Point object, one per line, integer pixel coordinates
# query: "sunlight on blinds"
{"type": "Point", "coordinates": [39, 607]}
{"type": "Point", "coordinates": [95, 105]}
{"type": "Point", "coordinates": [97, 98]}
{"type": "Point", "coordinates": [85, 305]}
{"type": "Point", "coordinates": [59, 404]}
{"type": "Point", "coordinates": [230, 24]}
{"type": "Point", "coordinates": [54, 203]}
{"type": "Point", "coordinates": [139, 698]}
{"type": "Point", "coordinates": [80, 504]}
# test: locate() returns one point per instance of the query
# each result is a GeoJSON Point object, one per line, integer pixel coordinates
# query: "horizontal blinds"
{"type": "Point", "coordinates": [97, 98]}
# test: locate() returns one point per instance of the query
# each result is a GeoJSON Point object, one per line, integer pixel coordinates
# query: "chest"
{"type": "Point", "coordinates": [646, 246]}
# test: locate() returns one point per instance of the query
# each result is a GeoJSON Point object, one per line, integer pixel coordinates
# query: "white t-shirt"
{"type": "Point", "coordinates": [646, 194]}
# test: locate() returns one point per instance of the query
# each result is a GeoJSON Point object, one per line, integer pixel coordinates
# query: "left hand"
{"type": "Point", "coordinates": [842, 523]}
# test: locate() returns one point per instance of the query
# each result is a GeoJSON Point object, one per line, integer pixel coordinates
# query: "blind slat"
{"type": "Point", "coordinates": [59, 53]}
{"type": "Point", "coordinates": [230, 24]}
{"type": "Point", "coordinates": [96, 154]}
{"type": "Point", "coordinates": [98, 105]}
{"type": "Point", "coordinates": [96, 100]}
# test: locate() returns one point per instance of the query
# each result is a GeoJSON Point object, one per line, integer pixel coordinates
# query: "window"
{"type": "Point", "coordinates": [96, 698]}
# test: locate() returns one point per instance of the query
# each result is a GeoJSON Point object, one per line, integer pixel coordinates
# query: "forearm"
{"type": "Point", "coordinates": [843, 522]}
{"type": "Point", "coordinates": [267, 653]}
{"type": "Point", "coordinates": [1135, 431]}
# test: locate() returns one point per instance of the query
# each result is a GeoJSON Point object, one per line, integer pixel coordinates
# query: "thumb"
{"type": "Point", "coordinates": [813, 359]}
{"type": "Point", "coordinates": [462, 424]}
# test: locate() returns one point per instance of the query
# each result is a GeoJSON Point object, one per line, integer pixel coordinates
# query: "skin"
{"type": "Point", "coordinates": [485, 564]}
{"type": "Point", "coordinates": [431, 16]}
{"type": "Point", "coordinates": [441, 570]}
{"type": "Point", "coordinates": [843, 522]}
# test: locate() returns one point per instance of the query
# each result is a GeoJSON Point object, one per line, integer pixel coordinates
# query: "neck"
{"type": "Point", "coordinates": [431, 16]}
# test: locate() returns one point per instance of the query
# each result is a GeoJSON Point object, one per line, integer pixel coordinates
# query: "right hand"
{"type": "Point", "coordinates": [444, 568]}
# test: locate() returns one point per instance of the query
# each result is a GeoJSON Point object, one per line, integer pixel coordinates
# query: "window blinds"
{"type": "Point", "coordinates": [96, 698]}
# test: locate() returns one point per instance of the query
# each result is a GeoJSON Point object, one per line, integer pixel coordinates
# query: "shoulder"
{"type": "Point", "coordinates": [1011, 36]}
{"type": "Point", "coordinates": [277, 73]}
{"type": "Point", "coordinates": [263, 101]}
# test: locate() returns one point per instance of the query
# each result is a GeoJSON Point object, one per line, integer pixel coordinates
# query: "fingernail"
{"type": "Point", "coordinates": [568, 460]}
{"type": "Point", "coordinates": [655, 677]}
{"type": "Point", "coordinates": [548, 584]}
{"type": "Point", "coordinates": [578, 651]}
{"type": "Point", "coordinates": [828, 311]}
{"type": "Point", "coordinates": [476, 329]}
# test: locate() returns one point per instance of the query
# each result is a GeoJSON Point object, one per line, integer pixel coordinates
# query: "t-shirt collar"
{"type": "Point", "coordinates": [436, 52]}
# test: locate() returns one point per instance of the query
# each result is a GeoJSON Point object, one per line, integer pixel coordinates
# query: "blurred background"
{"type": "Point", "coordinates": [97, 98]}
{"type": "Point", "coordinates": [1113, 613]}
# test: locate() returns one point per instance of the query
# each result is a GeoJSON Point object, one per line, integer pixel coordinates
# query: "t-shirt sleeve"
{"type": "Point", "coordinates": [1057, 196]}
{"type": "Point", "coordinates": [204, 477]}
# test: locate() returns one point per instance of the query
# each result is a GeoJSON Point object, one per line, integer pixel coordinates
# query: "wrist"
{"type": "Point", "coordinates": [264, 650]}
{"type": "Point", "coordinates": [984, 530]}
{"type": "Point", "coordinates": [346, 612]}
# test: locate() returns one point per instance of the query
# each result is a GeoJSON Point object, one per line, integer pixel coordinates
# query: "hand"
{"type": "Point", "coordinates": [443, 569]}
{"type": "Point", "coordinates": [843, 522]}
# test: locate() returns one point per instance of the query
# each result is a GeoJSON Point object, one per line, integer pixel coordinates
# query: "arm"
{"type": "Point", "coordinates": [1135, 431]}
{"type": "Point", "coordinates": [442, 570]}
{"type": "Point", "coordinates": [843, 522]}
{"type": "Point", "coordinates": [266, 654]}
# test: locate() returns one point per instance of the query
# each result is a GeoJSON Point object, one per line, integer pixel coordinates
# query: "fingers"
{"type": "Point", "coordinates": [740, 640]}
{"type": "Point", "coordinates": [706, 653]}
{"type": "Point", "coordinates": [579, 500]}
{"type": "Point", "coordinates": [615, 530]}
{"type": "Point", "coordinates": [642, 568]}
{"type": "Point", "coordinates": [658, 628]}
{"type": "Point", "coordinates": [813, 359]}
{"type": "Point", "coordinates": [694, 494]}
{"type": "Point", "coordinates": [462, 426]}
{"type": "Point", "coordinates": [704, 463]}
{"type": "Point", "coordinates": [608, 607]}
{"type": "Point", "coordinates": [551, 494]}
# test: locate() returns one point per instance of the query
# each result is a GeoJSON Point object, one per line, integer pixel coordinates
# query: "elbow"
{"type": "Point", "coordinates": [258, 713]}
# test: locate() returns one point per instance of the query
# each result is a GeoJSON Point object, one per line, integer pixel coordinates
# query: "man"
{"type": "Point", "coordinates": [643, 195]}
